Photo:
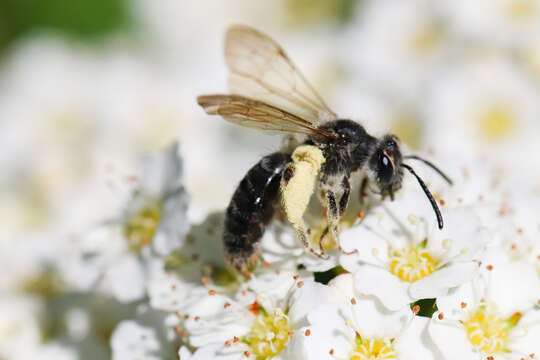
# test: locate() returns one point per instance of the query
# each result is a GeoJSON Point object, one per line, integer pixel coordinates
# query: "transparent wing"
{"type": "Point", "coordinates": [257, 114]}
{"type": "Point", "coordinates": [260, 69]}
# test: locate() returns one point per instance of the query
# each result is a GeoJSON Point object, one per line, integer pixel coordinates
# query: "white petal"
{"type": "Point", "coordinates": [127, 279]}
{"type": "Point", "coordinates": [131, 341]}
{"type": "Point", "coordinates": [414, 342]}
{"type": "Point", "coordinates": [366, 242]}
{"type": "Point", "coordinates": [389, 289]}
{"type": "Point", "coordinates": [527, 343]}
{"type": "Point", "coordinates": [451, 340]}
{"type": "Point", "coordinates": [306, 299]}
{"type": "Point", "coordinates": [438, 283]}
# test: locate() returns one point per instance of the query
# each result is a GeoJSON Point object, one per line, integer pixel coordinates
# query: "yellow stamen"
{"type": "Point", "coordinates": [140, 229]}
{"type": "Point", "coordinates": [412, 264]}
{"type": "Point", "coordinates": [269, 334]}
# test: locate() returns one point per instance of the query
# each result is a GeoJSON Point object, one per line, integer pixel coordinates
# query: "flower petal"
{"type": "Point", "coordinates": [389, 289]}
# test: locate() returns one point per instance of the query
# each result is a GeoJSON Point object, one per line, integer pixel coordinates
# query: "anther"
{"type": "Point", "coordinates": [440, 316]}
{"type": "Point", "coordinates": [308, 332]}
{"type": "Point", "coordinates": [300, 284]}
{"type": "Point", "coordinates": [246, 353]}
{"type": "Point", "coordinates": [226, 305]}
{"type": "Point", "coordinates": [212, 292]}
{"type": "Point", "coordinates": [489, 267]}
{"type": "Point", "coordinates": [463, 305]}
{"type": "Point", "coordinates": [295, 277]}
{"type": "Point", "coordinates": [416, 309]}
{"type": "Point", "coordinates": [331, 352]}
{"type": "Point", "coordinates": [204, 281]}
{"type": "Point", "coordinates": [353, 301]}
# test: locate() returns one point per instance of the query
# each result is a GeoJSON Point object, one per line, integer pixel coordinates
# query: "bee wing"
{"type": "Point", "coordinates": [260, 69]}
{"type": "Point", "coordinates": [257, 114]}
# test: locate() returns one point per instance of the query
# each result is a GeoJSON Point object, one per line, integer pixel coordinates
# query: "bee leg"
{"type": "Point", "coordinates": [297, 183]}
{"type": "Point", "coordinates": [344, 201]}
{"type": "Point", "coordinates": [332, 215]}
{"type": "Point", "coordinates": [362, 193]}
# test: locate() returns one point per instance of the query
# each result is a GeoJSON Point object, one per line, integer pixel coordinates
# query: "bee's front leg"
{"type": "Point", "coordinates": [334, 208]}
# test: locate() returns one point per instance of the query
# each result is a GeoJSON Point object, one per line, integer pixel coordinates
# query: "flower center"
{"type": "Point", "coordinates": [497, 122]}
{"type": "Point", "coordinates": [373, 349]}
{"type": "Point", "coordinates": [269, 334]}
{"type": "Point", "coordinates": [412, 264]}
{"type": "Point", "coordinates": [427, 39]}
{"type": "Point", "coordinates": [140, 229]}
{"type": "Point", "coordinates": [487, 331]}
{"type": "Point", "coordinates": [520, 9]}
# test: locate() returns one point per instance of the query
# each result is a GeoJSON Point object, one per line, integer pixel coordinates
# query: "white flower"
{"type": "Point", "coordinates": [128, 251]}
{"type": "Point", "coordinates": [490, 105]}
{"type": "Point", "coordinates": [260, 322]}
{"type": "Point", "coordinates": [402, 257]}
{"type": "Point", "coordinates": [395, 47]}
{"type": "Point", "coordinates": [20, 330]}
{"type": "Point", "coordinates": [356, 327]}
{"type": "Point", "coordinates": [508, 23]}
{"type": "Point", "coordinates": [479, 320]}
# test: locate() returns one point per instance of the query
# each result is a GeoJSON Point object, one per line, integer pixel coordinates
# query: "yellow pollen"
{"type": "Point", "coordinates": [487, 331]}
{"type": "Point", "coordinates": [412, 264]}
{"type": "Point", "coordinates": [140, 229]}
{"type": "Point", "coordinates": [497, 122]}
{"type": "Point", "coordinates": [269, 334]}
{"type": "Point", "coordinates": [373, 349]}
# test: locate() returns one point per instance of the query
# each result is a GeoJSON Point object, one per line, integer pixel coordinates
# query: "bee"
{"type": "Point", "coordinates": [268, 92]}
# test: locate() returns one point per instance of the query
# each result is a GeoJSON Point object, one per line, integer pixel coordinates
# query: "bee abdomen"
{"type": "Point", "coordinates": [252, 207]}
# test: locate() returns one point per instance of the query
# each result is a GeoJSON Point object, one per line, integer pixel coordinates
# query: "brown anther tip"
{"type": "Point", "coordinates": [416, 309]}
{"type": "Point", "coordinates": [246, 353]}
{"type": "Point", "coordinates": [300, 284]}
{"type": "Point", "coordinates": [278, 272]}
{"type": "Point", "coordinates": [490, 358]}
{"type": "Point", "coordinates": [442, 202]}
{"type": "Point", "coordinates": [204, 281]}
{"type": "Point", "coordinates": [295, 277]}
{"type": "Point", "coordinates": [513, 246]}
{"type": "Point", "coordinates": [308, 231]}
{"type": "Point", "coordinates": [236, 339]}
{"type": "Point", "coordinates": [308, 332]}
{"type": "Point", "coordinates": [173, 287]}
{"type": "Point", "coordinates": [178, 329]}
{"type": "Point", "coordinates": [531, 355]}
{"type": "Point", "coordinates": [179, 314]}
{"type": "Point", "coordinates": [226, 305]}
{"type": "Point", "coordinates": [479, 263]}
{"type": "Point", "coordinates": [440, 316]}
{"type": "Point", "coordinates": [197, 318]}
{"type": "Point", "coordinates": [266, 264]}
{"type": "Point", "coordinates": [211, 292]}
{"type": "Point", "coordinates": [361, 215]}
{"type": "Point", "coordinates": [291, 333]}
{"type": "Point", "coordinates": [228, 343]}
{"type": "Point", "coordinates": [489, 267]}
{"type": "Point", "coordinates": [353, 301]}
{"type": "Point", "coordinates": [463, 305]}
{"type": "Point", "coordinates": [186, 316]}
{"type": "Point", "coordinates": [247, 274]}
{"type": "Point", "coordinates": [331, 352]}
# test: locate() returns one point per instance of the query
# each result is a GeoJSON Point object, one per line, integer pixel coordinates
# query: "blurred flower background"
{"type": "Point", "coordinates": [100, 132]}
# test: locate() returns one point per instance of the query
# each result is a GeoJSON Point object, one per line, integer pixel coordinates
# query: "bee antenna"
{"type": "Point", "coordinates": [430, 164]}
{"type": "Point", "coordinates": [428, 194]}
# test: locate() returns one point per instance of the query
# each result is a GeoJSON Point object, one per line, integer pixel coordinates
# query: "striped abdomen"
{"type": "Point", "coordinates": [252, 207]}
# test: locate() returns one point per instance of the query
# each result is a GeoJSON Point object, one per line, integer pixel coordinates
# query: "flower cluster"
{"type": "Point", "coordinates": [108, 253]}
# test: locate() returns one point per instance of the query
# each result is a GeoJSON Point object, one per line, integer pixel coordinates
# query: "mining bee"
{"type": "Point", "coordinates": [268, 92]}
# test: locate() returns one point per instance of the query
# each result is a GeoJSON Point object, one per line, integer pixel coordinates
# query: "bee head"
{"type": "Point", "coordinates": [385, 164]}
